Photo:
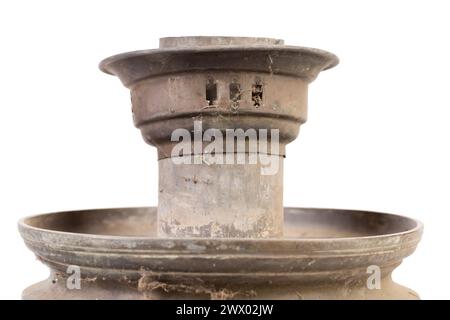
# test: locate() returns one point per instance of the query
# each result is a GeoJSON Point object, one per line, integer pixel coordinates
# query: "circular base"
{"type": "Point", "coordinates": [325, 254]}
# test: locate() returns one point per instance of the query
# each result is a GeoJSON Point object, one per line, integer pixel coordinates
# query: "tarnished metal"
{"type": "Point", "coordinates": [324, 255]}
{"type": "Point", "coordinates": [191, 79]}
{"type": "Point", "coordinates": [220, 230]}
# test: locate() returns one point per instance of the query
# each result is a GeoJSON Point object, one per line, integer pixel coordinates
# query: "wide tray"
{"type": "Point", "coordinates": [120, 256]}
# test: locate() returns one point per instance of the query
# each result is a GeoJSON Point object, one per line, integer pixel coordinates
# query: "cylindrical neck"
{"type": "Point", "coordinates": [232, 188]}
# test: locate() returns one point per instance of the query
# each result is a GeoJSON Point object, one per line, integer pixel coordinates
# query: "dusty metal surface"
{"type": "Point", "coordinates": [224, 83]}
{"type": "Point", "coordinates": [219, 201]}
{"type": "Point", "coordinates": [220, 230]}
{"type": "Point", "coordinates": [325, 254]}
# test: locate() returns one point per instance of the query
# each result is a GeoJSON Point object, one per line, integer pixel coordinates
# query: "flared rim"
{"type": "Point", "coordinates": [411, 233]}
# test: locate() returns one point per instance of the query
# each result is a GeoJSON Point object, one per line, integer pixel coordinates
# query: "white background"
{"type": "Point", "coordinates": [377, 136]}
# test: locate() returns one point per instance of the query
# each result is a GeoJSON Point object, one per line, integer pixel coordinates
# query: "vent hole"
{"type": "Point", "coordinates": [257, 94]}
{"type": "Point", "coordinates": [235, 92]}
{"type": "Point", "coordinates": [211, 92]}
